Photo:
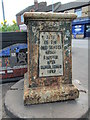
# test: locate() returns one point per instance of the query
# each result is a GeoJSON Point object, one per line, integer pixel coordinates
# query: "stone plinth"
{"type": "Point", "coordinates": [74, 109]}
{"type": "Point", "coordinates": [49, 76]}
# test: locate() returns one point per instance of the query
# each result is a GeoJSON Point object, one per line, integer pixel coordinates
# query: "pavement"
{"type": "Point", "coordinates": [78, 108]}
{"type": "Point", "coordinates": [5, 88]}
{"type": "Point", "coordinates": [79, 68]}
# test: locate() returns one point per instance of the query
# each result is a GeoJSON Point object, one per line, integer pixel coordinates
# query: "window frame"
{"type": "Point", "coordinates": [22, 18]}
{"type": "Point", "coordinates": [78, 10]}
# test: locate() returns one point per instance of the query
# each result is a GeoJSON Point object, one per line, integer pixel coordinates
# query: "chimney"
{"type": "Point", "coordinates": [36, 4]}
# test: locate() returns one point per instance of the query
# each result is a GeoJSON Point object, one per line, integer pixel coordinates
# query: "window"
{"type": "Point", "coordinates": [87, 28]}
{"type": "Point", "coordinates": [78, 12]}
{"type": "Point", "coordinates": [22, 19]}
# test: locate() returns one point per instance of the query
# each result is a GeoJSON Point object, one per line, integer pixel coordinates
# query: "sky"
{"type": "Point", "coordinates": [12, 7]}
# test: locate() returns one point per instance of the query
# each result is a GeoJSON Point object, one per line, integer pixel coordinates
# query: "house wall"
{"type": "Point", "coordinates": [19, 20]}
{"type": "Point", "coordinates": [85, 11]}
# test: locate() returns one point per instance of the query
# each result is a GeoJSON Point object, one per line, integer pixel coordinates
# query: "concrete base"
{"type": "Point", "coordinates": [14, 105]}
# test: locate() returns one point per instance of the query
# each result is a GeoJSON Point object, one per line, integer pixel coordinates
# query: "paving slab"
{"type": "Point", "coordinates": [69, 109]}
{"type": "Point", "coordinates": [18, 85]}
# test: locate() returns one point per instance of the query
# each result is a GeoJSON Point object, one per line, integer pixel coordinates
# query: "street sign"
{"type": "Point", "coordinates": [78, 29]}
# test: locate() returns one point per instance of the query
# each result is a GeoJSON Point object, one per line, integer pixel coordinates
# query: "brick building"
{"type": "Point", "coordinates": [35, 7]}
{"type": "Point", "coordinates": [80, 26]}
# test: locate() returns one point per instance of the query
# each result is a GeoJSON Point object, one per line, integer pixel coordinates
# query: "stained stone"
{"type": "Point", "coordinates": [49, 76]}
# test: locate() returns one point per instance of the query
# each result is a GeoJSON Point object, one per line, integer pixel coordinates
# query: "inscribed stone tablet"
{"type": "Point", "coordinates": [50, 54]}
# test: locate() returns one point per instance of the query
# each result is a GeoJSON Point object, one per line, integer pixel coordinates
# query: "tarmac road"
{"type": "Point", "coordinates": [79, 69]}
{"type": "Point", "coordinates": [80, 65]}
{"type": "Point", "coordinates": [80, 43]}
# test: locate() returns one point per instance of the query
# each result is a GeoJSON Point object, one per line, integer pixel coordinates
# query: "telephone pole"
{"type": "Point", "coordinates": [3, 10]}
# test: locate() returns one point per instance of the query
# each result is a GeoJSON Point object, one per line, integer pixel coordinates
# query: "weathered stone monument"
{"type": "Point", "coordinates": [49, 76]}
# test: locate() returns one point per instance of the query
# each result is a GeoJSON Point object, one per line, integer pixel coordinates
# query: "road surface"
{"type": "Point", "coordinates": [80, 43]}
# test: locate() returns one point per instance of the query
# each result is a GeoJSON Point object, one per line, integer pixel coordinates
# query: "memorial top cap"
{"type": "Point", "coordinates": [48, 16]}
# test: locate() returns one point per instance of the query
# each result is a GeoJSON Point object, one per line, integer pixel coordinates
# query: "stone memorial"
{"type": "Point", "coordinates": [49, 76]}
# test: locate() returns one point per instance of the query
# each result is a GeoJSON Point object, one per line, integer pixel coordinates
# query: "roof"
{"type": "Point", "coordinates": [40, 9]}
{"type": "Point", "coordinates": [27, 9]}
{"type": "Point", "coordinates": [49, 7]}
{"type": "Point", "coordinates": [72, 5]}
{"type": "Point", "coordinates": [58, 7]}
